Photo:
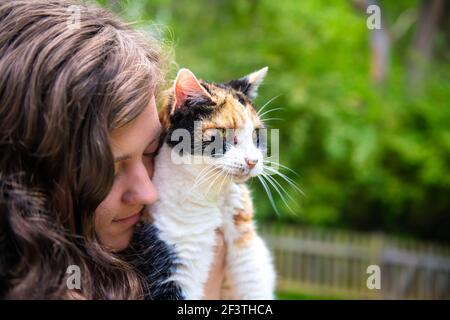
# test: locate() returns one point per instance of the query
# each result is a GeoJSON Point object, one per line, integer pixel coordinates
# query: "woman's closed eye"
{"type": "Point", "coordinates": [118, 168]}
{"type": "Point", "coordinates": [150, 154]}
{"type": "Point", "coordinates": [147, 160]}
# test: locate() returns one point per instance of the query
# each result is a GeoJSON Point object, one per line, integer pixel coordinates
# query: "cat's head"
{"type": "Point", "coordinates": [226, 131]}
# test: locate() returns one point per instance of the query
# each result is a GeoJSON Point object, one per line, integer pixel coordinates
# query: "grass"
{"type": "Point", "coordinates": [285, 295]}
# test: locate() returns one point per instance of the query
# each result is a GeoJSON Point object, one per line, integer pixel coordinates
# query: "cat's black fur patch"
{"type": "Point", "coordinates": [243, 99]}
{"type": "Point", "coordinates": [241, 85]}
{"type": "Point", "coordinates": [155, 260]}
{"type": "Point", "coordinates": [184, 117]}
{"type": "Point", "coordinates": [205, 86]}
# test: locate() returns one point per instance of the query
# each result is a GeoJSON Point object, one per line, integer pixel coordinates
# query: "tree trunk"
{"type": "Point", "coordinates": [422, 46]}
{"type": "Point", "coordinates": [380, 44]}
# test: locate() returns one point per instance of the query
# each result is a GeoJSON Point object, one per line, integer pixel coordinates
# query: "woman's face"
{"type": "Point", "coordinates": [133, 147]}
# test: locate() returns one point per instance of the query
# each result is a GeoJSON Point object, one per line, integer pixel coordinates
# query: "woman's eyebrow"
{"type": "Point", "coordinates": [155, 138]}
{"type": "Point", "coordinates": [129, 156]}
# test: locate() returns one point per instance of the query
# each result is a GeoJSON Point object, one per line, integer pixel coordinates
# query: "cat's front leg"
{"type": "Point", "coordinates": [249, 273]}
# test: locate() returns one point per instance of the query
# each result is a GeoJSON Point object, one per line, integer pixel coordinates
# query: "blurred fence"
{"type": "Point", "coordinates": [334, 264]}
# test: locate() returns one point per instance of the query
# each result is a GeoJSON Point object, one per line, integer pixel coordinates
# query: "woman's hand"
{"type": "Point", "coordinates": [216, 274]}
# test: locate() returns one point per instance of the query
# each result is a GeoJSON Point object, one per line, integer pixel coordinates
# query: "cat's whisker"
{"type": "Point", "coordinates": [280, 165]}
{"type": "Point", "coordinates": [212, 183]}
{"type": "Point", "coordinates": [202, 176]}
{"type": "Point", "coordinates": [224, 179]}
{"type": "Point", "coordinates": [199, 180]}
{"type": "Point", "coordinates": [275, 183]}
{"type": "Point", "coordinates": [269, 194]}
{"type": "Point", "coordinates": [269, 111]}
{"type": "Point", "coordinates": [265, 104]}
{"type": "Point", "coordinates": [279, 193]}
{"type": "Point", "coordinates": [221, 171]}
{"type": "Point", "coordinates": [212, 178]}
{"type": "Point", "coordinates": [278, 183]}
{"type": "Point", "coordinates": [207, 175]}
{"type": "Point", "coordinates": [271, 157]}
{"type": "Point", "coordinates": [270, 119]}
{"type": "Point", "coordinates": [286, 178]}
{"type": "Point", "coordinates": [207, 169]}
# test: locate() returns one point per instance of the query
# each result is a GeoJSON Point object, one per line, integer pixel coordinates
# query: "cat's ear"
{"type": "Point", "coordinates": [186, 86]}
{"type": "Point", "coordinates": [250, 83]}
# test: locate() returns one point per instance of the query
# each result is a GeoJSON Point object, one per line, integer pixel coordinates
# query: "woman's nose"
{"type": "Point", "coordinates": [142, 190]}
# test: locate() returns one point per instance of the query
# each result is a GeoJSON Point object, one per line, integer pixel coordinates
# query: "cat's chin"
{"type": "Point", "coordinates": [240, 178]}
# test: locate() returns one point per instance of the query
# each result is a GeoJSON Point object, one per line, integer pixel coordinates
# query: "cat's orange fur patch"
{"type": "Point", "coordinates": [243, 219]}
{"type": "Point", "coordinates": [245, 238]}
{"type": "Point", "coordinates": [230, 114]}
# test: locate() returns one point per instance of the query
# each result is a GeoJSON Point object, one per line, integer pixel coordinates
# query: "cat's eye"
{"type": "Point", "coordinates": [226, 135]}
{"type": "Point", "coordinates": [257, 137]}
{"type": "Point", "coordinates": [223, 132]}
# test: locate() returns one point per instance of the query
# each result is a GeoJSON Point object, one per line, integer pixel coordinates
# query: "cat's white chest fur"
{"type": "Point", "coordinates": [185, 221]}
{"type": "Point", "coordinates": [188, 219]}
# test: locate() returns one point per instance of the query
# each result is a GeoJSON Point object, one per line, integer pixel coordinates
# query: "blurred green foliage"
{"type": "Point", "coordinates": [368, 156]}
{"type": "Point", "coordinates": [282, 295]}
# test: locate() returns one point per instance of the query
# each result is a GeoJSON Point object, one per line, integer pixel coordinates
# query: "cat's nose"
{"type": "Point", "coordinates": [251, 163]}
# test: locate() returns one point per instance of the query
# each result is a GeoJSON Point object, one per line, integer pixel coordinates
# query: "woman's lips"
{"type": "Point", "coordinates": [130, 220]}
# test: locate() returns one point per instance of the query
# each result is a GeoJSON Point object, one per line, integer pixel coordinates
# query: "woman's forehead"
{"type": "Point", "coordinates": [138, 134]}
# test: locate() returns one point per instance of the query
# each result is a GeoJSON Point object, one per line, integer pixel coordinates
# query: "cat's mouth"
{"type": "Point", "coordinates": [236, 173]}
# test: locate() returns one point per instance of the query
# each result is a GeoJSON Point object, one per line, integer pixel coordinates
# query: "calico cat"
{"type": "Point", "coordinates": [201, 185]}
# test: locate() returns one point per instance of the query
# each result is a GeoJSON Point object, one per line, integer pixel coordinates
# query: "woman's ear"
{"type": "Point", "coordinates": [186, 86]}
{"type": "Point", "coordinates": [250, 83]}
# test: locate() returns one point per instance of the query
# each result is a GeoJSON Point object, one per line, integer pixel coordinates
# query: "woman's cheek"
{"type": "Point", "coordinates": [101, 221]}
{"type": "Point", "coordinates": [111, 235]}
{"type": "Point", "coordinates": [104, 216]}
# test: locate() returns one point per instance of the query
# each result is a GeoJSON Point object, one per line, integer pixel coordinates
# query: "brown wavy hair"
{"type": "Point", "coordinates": [62, 91]}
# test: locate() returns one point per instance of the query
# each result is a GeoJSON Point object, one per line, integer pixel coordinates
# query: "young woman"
{"type": "Point", "coordinates": [78, 129]}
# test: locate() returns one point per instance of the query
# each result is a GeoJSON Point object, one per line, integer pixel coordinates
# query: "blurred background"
{"type": "Point", "coordinates": [365, 126]}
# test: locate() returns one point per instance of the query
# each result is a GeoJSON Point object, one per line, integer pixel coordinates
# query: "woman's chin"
{"type": "Point", "coordinates": [118, 243]}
